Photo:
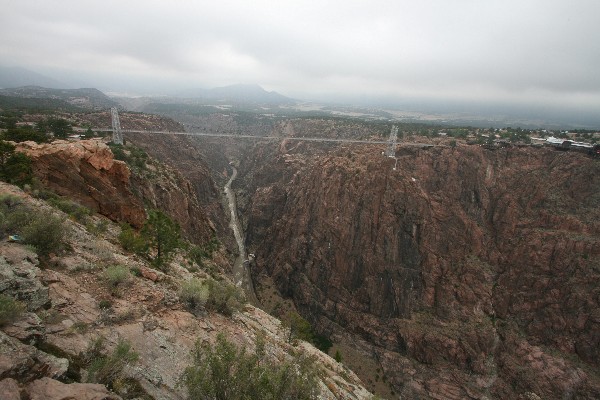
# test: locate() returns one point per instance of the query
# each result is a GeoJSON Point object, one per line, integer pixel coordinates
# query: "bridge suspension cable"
{"type": "Point", "coordinates": [117, 137]}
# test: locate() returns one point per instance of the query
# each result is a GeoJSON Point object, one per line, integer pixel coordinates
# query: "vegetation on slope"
{"type": "Point", "coordinates": [227, 372]}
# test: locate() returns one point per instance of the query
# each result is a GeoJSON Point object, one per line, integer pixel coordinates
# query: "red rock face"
{"type": "Point", "coordinates": [87, 172]}
{"type": "Point", "coordinates": [170, 192]}
{"type": "Point", "coordinates": [191, 196]}
{"type": "Point", "coordinates": [469, 272]}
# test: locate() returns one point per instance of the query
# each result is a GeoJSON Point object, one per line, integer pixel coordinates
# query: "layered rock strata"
{"type": "Point", "coordinates": [87, 172]}
{"type": "Point", "coordinates": [465, 272]}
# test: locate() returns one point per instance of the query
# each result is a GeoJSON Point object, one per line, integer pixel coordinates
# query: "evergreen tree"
{"type": "Point", "coordinates": [163, 235]}
{"type": "Point", "coordinates": [15, 167]}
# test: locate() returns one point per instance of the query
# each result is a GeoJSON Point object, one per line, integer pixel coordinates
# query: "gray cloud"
{"type": "Point", "coordinates": [509, 50]}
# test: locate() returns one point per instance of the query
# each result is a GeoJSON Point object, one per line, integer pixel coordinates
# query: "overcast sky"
{"type": "Point", "coordinates": [526, 51]}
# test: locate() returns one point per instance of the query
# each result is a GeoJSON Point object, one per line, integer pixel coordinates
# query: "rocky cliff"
{"type": "Point", "coordinates": [185, 156]}
{"type": "Point", "coordinates": [87, 172]}
{"type": "Point", "coordinates": [465, 272]}
{"type": "Point", "coordinates": [73, 317]}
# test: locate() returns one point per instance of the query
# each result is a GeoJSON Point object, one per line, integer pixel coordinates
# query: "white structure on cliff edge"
{"type": "Point", "coordinates": [116, 125]}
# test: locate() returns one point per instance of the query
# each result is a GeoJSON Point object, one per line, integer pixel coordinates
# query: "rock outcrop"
{"type": "Point", "coordinates": [466, 272]}
{"type": "Point", "coordinates": [192, 175]}
{"type": "Point", "coordinates": [87, 172]}
{"type": "Point", "coordinates": [42, 358]}
{"type": "Point", "coordinates": [165, 188]}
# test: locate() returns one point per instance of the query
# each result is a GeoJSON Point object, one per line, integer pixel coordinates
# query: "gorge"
{"type": "Point", "coordinates": [448, 271]}
{"type": "Point", "coordinates": [466, 273]}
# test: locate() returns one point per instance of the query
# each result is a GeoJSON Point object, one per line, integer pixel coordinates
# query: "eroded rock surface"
{"type": "Point", "coordinates": [87, 172]}
{"type": "Point", "coordinates": [19, 276]}
{"type": "Point", "coordinates": [50, 389]}
{"type": "Point", "coordinates": [42, 354]}
{"type": "Point", "coordinates": [470, 272]}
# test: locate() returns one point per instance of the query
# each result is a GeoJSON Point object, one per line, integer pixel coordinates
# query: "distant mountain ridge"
{"type": "Point", "coordinates": [238, 93]}
{"type": "Point", "coordinates": [89, 98]}
{"type": "Point", "coordinates": [12, 77]}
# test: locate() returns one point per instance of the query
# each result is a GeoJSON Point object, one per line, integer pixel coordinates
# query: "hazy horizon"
{"type": "Point", "coordinates": [537, 56]}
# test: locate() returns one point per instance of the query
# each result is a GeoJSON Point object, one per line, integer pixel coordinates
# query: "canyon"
{"type": "Point", "coordinates": [466, 272]}
{"type": "Point", "coordinates": [67, 307]}
{"type": "Point", "coordinates": [450, 271]}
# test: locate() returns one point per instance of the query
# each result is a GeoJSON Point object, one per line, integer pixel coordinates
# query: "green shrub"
{"type": "Point", "coordinates": [163, 236]}
{"type": "Point", "coordinates": [15, 167]}
{"type": "Point", "coordinates": [338, 356]}
{"type": "Point", "coordinates": [194, 294]}
{"type": "Point", "coordinates": [197, 254]}
{"type": "Point", "coordinates": [80, 327]}
{"type": "Point", "coordinates": [97, 228]}
{"type": "Point", "coordinates": [108, 369]}
{"type": "Point", "coordinates": [13, 214]}
{"type": "Point", "coordinates": [224, 297]}
{"type": "Point", "coordinates": [115, 276]}
{"type": "Point", "coordinates": [297, 327]}
{"type": "Point", "coordinates": [46, 232]}
{"type": "Point", "coordinates": [105, 304]}
{"type": "Point", "coordinates": [10, 309]}
{"type": "Point", "coordinates": [228, 372]}
{"type": "Point", "coordinates": [131, 240]}
{"type": "Point", "coordinates": [75, 210]}
{"type": "Point", "coordinates": [38, 228]}
{"type": "Point", "coordinates": [221, 297]}
{"type": "Point", "coordinates": [135, 157]}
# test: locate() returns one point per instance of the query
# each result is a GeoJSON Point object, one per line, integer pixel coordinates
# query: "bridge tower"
{"type": "Point", "coordinates": [391, 149]}
{"type": "Point", "coordinates": [116, 126]}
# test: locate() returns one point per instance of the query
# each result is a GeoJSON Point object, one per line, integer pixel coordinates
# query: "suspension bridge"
{"type": "Point", "coordinates": [390, 151]}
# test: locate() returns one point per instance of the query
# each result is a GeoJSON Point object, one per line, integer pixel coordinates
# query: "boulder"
{"type": "Point", "coordinates": [19, 276]}
{"type": "Point", "coordinates": [50, 389]}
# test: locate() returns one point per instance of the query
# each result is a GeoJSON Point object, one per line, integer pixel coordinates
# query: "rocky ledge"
{"type": "Point", "coordinates": [70, 306]}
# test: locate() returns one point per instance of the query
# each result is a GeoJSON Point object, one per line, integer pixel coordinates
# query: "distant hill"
{"type": "Point", "coordinates": [12, 77]}
{"type": "Point", "coordinates": [35, 104]}
{"type": "Point", "coordinates": [87, 98]}
{"type": "Point", "coordinates": [239, 94]}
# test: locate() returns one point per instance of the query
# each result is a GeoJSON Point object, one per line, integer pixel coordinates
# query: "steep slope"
{"type": "Point", "coordinates": [465, 272]}
{"type": "Point", "coordinates": [70, 305]}
{"type": "Point", "coordinates": [183, 154]}
{"type": "Point", "coordinates": [49, 351]}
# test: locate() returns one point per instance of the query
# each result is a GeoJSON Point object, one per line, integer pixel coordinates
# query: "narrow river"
{"type": "Point", "coordinates": [241, 271]}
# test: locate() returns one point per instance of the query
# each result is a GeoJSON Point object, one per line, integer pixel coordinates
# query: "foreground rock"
{"type": "Point", "coordinates": [50, 389]}
{"type": "Point", "coordinates": [42, 352]}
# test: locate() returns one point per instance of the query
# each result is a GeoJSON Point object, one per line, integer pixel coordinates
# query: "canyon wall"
{"type": "Point", "coordinates": [184, 155]}
{"type": "Point", "coordinates": [87, 172]}
{"type": "Point", "coordinates": [466, 272]}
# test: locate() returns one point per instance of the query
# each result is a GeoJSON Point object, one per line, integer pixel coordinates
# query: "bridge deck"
{"type": "Point", "coordinates": [242, 136]}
